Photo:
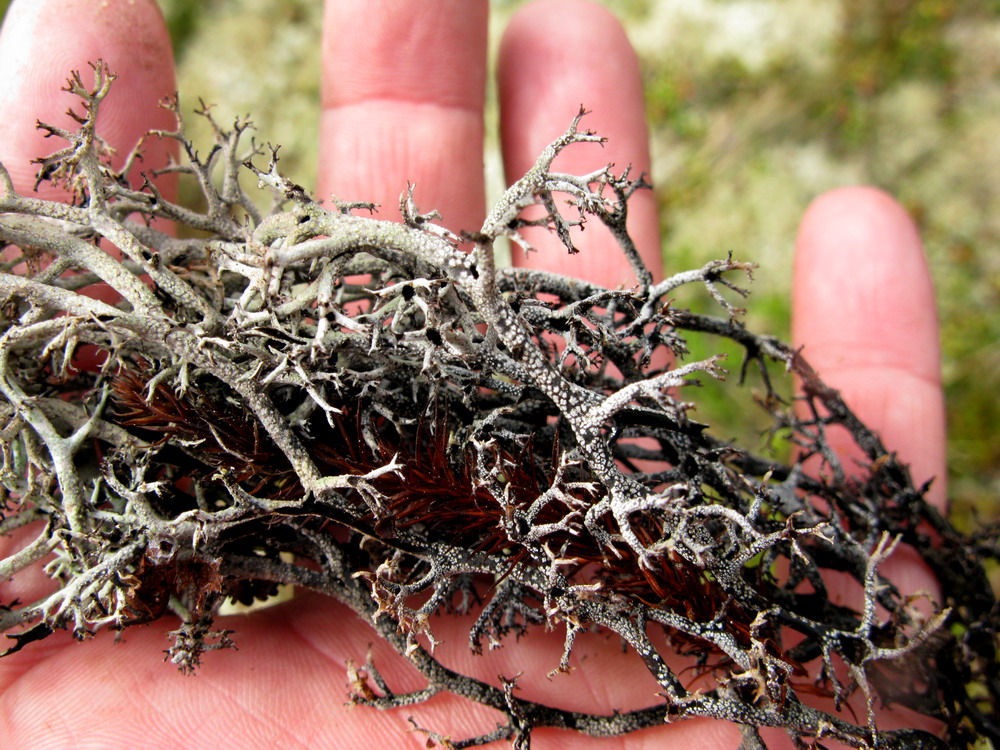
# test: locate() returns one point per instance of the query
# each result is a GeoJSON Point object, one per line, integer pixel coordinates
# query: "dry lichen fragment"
{"type": "Point", "coordinates": [264, 417]}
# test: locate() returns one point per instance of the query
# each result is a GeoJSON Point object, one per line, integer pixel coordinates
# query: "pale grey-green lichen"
{"type": "Point", "coordinates": [426, 433]}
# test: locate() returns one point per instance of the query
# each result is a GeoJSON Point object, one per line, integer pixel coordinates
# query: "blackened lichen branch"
{"type": "Point", "coordinates": [377, 412]}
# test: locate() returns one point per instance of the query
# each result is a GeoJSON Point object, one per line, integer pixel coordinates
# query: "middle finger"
{"type": "Point", "coordinates": [403, 93]}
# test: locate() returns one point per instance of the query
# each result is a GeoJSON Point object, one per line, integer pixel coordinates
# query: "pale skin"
{"type": "Point", "coordinates": [402, 100]}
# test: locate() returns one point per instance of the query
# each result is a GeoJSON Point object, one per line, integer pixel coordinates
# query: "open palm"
{"type": "Point", "coordinates": [403, 101]}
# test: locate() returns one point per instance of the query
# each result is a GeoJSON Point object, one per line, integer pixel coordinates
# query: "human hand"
{"type": "Point", "coordinates": [392, 113]}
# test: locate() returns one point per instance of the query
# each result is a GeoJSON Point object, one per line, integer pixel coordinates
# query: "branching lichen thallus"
{"type": "Point", "coordinates": [376, 411]}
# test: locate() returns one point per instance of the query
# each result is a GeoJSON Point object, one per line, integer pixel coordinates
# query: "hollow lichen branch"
{"type": "Point", "coordinates": [377, 412]}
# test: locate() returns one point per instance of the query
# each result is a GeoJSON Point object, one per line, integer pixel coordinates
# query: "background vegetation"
{"type": "Point", "coordinates": [756, 107]}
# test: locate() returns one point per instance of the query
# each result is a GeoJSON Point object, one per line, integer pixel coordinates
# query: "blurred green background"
{"type": "Point", "coordinates": [756, 107]}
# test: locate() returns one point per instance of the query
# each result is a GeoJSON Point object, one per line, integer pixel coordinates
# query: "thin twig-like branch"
{"type": "Point", "coordinates": [370, 410]}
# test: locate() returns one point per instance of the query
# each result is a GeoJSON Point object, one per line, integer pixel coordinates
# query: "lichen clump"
{"type": "Point", "coordinates": [377, 412]}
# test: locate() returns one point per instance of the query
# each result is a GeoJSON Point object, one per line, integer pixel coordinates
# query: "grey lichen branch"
{"type": "Point", "coordinates": [375, 411]}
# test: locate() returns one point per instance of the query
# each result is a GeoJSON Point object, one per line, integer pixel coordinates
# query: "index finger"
{"type": "Point", "coordinates": [43, 41]}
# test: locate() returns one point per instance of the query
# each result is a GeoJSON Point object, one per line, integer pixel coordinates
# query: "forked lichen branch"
{"type": "Point", "coordinates": [376, 411]}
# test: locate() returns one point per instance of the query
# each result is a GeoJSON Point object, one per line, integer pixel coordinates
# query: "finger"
{"type": "Point", "coordinates": [403, 92]}
{"type": "Point", "coordinates": [43, 41]}
{"type": "Point", "coordinates": [863, 308]}
{"type": "Point", "coordinates": [557, 55]}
